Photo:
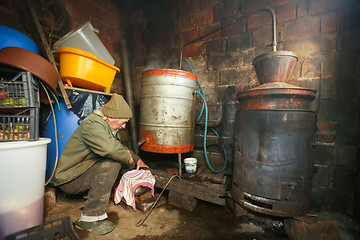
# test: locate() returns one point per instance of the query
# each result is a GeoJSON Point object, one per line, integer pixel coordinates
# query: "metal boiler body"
{"type": "Point", "coordinates": [167, 111]}
{"type": "Point", "coordinates": [274, 137]}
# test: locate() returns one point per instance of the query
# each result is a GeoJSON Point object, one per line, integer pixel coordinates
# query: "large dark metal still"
{"type": "Point", "coordinates": [273, 164]}
{"type": "Point", "coordinates": [274, 137]}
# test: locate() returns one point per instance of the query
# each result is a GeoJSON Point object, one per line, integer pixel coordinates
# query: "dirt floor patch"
{"type": "Point", "coordinates": [207, 221]}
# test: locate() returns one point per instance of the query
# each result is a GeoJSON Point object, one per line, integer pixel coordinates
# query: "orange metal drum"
{"type": "Point", "coordinates": [167, 117]}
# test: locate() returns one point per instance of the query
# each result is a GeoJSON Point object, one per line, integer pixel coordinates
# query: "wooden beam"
{"type": "Point", "coordinates": [88, 90]}
{"type": "Point", "coordinates": [48, 51]}
{"type": "Point", "coordinates": [182, 201]}
{"type": "Point", "coordinates": [208, 192]}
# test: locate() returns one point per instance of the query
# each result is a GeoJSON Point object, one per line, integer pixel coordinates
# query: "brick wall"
{"type": "Point", "coordinates": [325, 34]}
{"type": "Point", "coordinates": [103, 15]}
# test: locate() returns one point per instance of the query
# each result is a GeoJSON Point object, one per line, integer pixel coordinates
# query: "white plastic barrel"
{"type": "Point", "coordinates": [85, 38]}
{"type": "Point", "coordinates": [22, 178]}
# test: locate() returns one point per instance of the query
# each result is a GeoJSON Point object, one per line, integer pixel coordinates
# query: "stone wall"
{"type": "Point", "coordinates": [324, 34]}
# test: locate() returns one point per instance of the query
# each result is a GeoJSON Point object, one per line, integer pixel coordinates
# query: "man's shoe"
{"type": "Point", "coordinates": [99, 227]}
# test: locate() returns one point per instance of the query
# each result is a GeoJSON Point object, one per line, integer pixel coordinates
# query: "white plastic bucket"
{"type": "Point", "coordinates": [85, 38]}
{"type": "Point", "coordinates": [190, 165]}
{"type": "Point", "coordinates": [22, 177]}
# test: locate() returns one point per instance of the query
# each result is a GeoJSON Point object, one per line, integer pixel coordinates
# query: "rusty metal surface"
{"type": "Point", "coordinates": [276, 96]}
{"type": "Point", "coordinates": [273, 164]}
{"type": "Point", "coordinates": [167, 111]}
{"type": "Point", "coordinates": [151, 144]}
{"type": "Point", "coordinates": [275, 66]}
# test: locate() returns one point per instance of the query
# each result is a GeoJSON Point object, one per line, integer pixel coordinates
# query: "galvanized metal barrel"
{"type": "Point", "coordinates": [167, 111]}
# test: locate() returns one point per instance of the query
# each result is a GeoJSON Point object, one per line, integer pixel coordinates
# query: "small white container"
{"type": "Point", "coordinates": [85, 38]}
{"type": "Point", "coordinates": [190, 165]}
{"type": "Point", "coordinates": [22, 177]}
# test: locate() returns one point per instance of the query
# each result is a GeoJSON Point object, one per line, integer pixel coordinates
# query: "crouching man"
{"type": "Point", "coordinates": [91, 161]}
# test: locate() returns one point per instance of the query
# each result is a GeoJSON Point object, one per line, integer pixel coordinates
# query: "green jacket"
{"type": "Point", "coordinates": [92, 141]}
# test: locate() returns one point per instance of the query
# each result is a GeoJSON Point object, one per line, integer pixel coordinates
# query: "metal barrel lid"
{"type": "Point", "coordinates": [276, 96]}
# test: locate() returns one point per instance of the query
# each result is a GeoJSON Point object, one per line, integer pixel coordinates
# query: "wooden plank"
{"type": "Point", "coordinates": [48, 52]}
{"type": "Point", "coordinates": [207, 175]}
{"type": "Point", "coordinates": [208, 192]}
{"type": "Point", "coordinates": [322, 229]}
{"type": "Point", "coordinates": [87, 90]}
{"type": "Point", "coordinates": [182, 201]}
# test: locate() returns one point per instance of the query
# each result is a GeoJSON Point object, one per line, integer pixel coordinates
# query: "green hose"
{"type": "Point", "coordinates": [52, 93]}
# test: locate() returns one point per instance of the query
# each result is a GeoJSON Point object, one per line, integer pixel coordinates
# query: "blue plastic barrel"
{"type": "Point", "coordinates": [66, 124]}
{"type": "Point", "coordinates": [10, 37]}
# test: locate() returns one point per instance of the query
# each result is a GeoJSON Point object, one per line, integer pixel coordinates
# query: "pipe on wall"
{"type": "Point", "coordinates": [128, 92]}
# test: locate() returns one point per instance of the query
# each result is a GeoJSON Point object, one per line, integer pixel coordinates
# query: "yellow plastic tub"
{"type": "Point", "coordinates": [84, 69]}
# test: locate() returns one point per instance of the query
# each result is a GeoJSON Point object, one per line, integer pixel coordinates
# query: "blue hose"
{"type": "Point", "coordinates": [204, 107]}
{"type": "Point", "coordinates": [205, 135]}
{"type": "Point", "coordinates": [202, 91]}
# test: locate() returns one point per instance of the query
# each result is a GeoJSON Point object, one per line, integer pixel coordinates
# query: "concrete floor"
{"type": "Point", "coordinates": [165, 222]}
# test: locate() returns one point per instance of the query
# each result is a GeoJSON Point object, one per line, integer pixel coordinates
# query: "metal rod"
{"type": "Point", "coordinates": [141, 142]}
{"type": "Point", "coordinates": [273, 16]}
{"type": "Point", "coordinates": [179, 155]}
{"type": "Point", "coordinates": [180, 166]}
{"type": "Point", "coordinates": [139, 223]}
{"type": "Point", "coordinates": [181, 54]}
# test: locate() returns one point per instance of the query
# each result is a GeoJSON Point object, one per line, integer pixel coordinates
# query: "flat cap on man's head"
{"type": "Point", "coordinates": [117, 107]}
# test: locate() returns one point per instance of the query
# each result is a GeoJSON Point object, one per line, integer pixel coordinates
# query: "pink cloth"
{"type": "Point", "coordinates": [128, 184]}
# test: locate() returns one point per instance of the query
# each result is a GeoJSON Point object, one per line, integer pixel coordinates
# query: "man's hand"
{"type": "Point", "coordinates": [141, 164]}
